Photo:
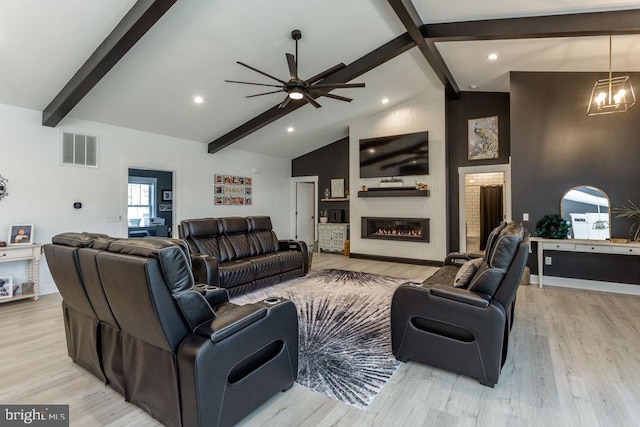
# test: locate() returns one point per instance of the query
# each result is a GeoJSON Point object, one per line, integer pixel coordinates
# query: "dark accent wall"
{"type": "Point", "coordinates": [471, 105]}
{"type": "Point", "coordinates": [329, 162]}
{"type": "Point", "coordinates": [165, 182]}
{"type": "Point", "coordinates": [556, 146]}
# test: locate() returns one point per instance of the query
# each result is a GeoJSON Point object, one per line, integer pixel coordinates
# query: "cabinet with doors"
{"type": "Point", "coordinates": [331, 237]}
{"type": "Point", "coordinates": [20, 272]}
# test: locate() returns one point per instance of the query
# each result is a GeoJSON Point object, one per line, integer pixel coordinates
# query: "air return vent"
{"type": "Point", "coordinates": [78, 149]}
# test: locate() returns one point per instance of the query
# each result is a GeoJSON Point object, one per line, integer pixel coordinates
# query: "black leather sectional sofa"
{"type": "Point", "coordinates": [182, 352]}
{"type": "Point", "coordinates": [242, 254]}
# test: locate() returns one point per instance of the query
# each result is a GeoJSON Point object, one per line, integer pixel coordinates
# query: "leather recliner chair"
{"type": "Point", "coordinates": [190, 357]}
{"type": "Point", "coordinates": [463, 330]}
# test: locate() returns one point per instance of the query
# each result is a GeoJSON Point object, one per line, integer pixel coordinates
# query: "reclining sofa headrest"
{"type": "Point", "coordinates": [81, 240]}
{"type": "Point", "coordinates": [505, 245]}
{"type": "Point", "coordinates": [203, 227]}
{"type": "Point", "coordinates": [231, 225]}
{"type": "Point", "coordinates": [172, 254]}
{"type": "Point", "coordinates": [259, 223]}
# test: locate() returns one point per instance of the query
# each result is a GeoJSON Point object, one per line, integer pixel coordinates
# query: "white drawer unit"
{"type": "Point", "coordinates": [331, 237]}
{"type": "Point", "coordinates": [625, 249]}
{"type": "Point", "coordinates": [601, 249]}
{"type": "Point", "coordinates": [559, 246]}
{"type": "Point", "coordinates": [23, 263]}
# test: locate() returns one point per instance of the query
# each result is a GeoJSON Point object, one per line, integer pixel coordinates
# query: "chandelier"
{"type": "Point", "coordinates": [612, 95]}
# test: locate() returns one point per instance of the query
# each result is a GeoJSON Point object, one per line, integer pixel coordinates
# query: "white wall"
{"type": "Point", "coordinates": [424, 112]}
{"type": "Point", "coordinates": [42, 192]}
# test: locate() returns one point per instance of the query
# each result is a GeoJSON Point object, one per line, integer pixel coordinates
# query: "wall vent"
{"type": "Point", "coordinates": [78, 149]}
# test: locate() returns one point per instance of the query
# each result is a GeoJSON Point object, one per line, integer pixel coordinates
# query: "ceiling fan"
{"type": "Point", "coordinates": [296, 88]}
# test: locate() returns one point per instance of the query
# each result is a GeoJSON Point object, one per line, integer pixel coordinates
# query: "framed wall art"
{"type": "Point", "coordinates": [232, 190]}
{"type": "Point", "coordinates": [483, 138]}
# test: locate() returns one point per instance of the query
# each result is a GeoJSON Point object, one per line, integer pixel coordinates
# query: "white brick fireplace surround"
{"type": "Point", "coordinates": [424, 112]}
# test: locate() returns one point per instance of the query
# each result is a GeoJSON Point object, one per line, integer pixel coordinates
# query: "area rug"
{"type": "Point", "coordinates": [345, 336]}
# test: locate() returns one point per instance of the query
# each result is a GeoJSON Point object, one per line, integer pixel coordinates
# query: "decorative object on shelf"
{"type": "Point", "coordinates": [337, 188]}
{"type": "Point", "coordinates": [631, 211]}
{"type": "Point", "coordinates": [6, 287]}
{"type": "Point", "coordinates": [3, 187]}
{"type": "Point", "coordinates": [327, 193]}
{"type": "Point", "coordinates": [612, 95]}
{"type": "Point", "coordinates": [346, 194]}
{"type": "Point", "coordinates": [363, 188]}
{"type": "Point", "coordinates": [167, 195]}
{"type": "Point", "coordinates": [21, 234]}
{"type": "Point", "coordinates": [391, 182]}
{"type": "Point", "coordinates": [27, 288]}
{"type": "Point", "coordinates": [483, 138]}
{"type": "Point", "coordinates": [421, 186]}
{"type": "Point", "coordinates": [552, 227]}
{"type": "Point", "coordinates": [324, 216]}
{"type": "Point", "coordinates": [232, 190]}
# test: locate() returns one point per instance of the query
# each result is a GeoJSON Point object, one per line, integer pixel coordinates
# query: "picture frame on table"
{"type": "Point", "coordinates": [20, 234]}
{"type": "Point", "coordinates": [6, 287]}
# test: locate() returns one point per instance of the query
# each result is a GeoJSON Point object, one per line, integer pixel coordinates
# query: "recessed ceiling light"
{"type": "Point", "coordinates": [493, 56]}
{"type": "Point", "coordinates": [198, 99]}
{"type": "Point", "coordinates": [473, 86]}
{"type": "Point", "coordinates": [385, 100]}
{"type": "Point", "coordinates": [290, 129]}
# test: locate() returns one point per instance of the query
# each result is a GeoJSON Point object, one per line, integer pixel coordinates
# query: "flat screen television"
{"type": "Point", "coordinates": [397, 155]}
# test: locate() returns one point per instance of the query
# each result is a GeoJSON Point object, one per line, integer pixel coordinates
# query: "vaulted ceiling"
{"type": "Point", "coordinates": [194, 45]}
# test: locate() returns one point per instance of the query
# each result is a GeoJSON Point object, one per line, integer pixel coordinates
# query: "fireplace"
{"type": "Point", "coordinates": [407, 229]}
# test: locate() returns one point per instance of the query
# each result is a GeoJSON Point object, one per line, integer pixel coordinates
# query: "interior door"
{"type": "Point", "coordinates": [305, 212]}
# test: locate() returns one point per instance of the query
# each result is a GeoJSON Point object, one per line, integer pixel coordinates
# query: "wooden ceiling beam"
{"type": "Point", "coordinates": [357, 68]}
{"type": "Point", "coordinates": [135, 24]}
{"type": "Point", "coordinates": [619, 22]}
{"type": "Point", "coordinates": [408, 15]}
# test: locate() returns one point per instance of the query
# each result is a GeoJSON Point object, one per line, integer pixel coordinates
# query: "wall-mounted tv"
{"type": "Point", "coordinates": [397, 155]}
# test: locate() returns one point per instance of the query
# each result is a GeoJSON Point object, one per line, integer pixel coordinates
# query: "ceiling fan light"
{"type": "Point", "coordinates": [295, 95]}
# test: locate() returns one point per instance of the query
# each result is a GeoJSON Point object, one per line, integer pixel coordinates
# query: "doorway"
{"type": "Point", "coordinates": [305, 197]}
{"type": "Point", "coordinates": [485, 200]}
{"type": "Point", "coordinates": [149, 203]}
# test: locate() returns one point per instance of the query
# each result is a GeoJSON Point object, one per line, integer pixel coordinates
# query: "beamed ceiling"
{"type": "Point", "coordinates": [139, 64]}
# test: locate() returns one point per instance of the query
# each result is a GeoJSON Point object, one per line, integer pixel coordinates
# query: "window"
{"type": "Point", "coordinates": [141, 199]}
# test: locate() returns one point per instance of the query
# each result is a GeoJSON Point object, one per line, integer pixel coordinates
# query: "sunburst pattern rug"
{"type": "Point", "coordinates": [345, 337]}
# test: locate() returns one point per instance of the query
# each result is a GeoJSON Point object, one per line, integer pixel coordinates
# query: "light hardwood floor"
{"type": "Point", "coordinates": [574, 360]}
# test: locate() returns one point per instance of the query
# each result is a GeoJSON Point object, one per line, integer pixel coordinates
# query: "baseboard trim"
{"type": "Point", "coordinates": [395, 259]}
{"type": "Point", "coordinates": [590, 285]}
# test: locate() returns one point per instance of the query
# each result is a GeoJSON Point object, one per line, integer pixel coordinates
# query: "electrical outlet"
{"type": "Point", "coordinates": [547, 260]}
{"type": "Point", "coordinates": [114, 218]}
{"type": "Point", "coordinates": [525, 217]}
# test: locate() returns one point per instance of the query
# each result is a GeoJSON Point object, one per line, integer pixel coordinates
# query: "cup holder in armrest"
{"type": "Point", "coordinates": [272, 300]}
{"type": "Point", "coordinates": [416, 284]}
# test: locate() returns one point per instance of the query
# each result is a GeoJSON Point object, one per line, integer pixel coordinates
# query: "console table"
{"type": "Point", "coordinates": [29, 256]}
{"type": "Point", "coordinates": [584, 246]}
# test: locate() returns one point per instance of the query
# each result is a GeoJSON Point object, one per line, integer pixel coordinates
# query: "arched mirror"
{"type": "Point", "coordinates": [587, 209]}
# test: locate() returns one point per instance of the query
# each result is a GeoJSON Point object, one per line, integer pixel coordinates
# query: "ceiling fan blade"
{"type": "Point", "coordinates": [264, 93]}
{"type": "Point", "coordinates": [337, 86]}
{"type": "Point", "coordinates": [311, 101]}
{"type": "Point", "coordinates": [261, 72]}
{"type": "Point", "coordinates": [249, 83]}
{"type": "Point", "coordinates": [325, 73]}
{"type": "Point", "coordinates": [285, 102]}
{"type": "Point", "coordinates": [293, 66]}
{"type": "Point", "coordinates": [330, 95]}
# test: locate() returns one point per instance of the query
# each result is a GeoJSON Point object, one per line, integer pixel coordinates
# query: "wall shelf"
{"type": "Point", "coordinates": [335, 199]}
{"type": "Point", "coordinates": [391, 192]}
